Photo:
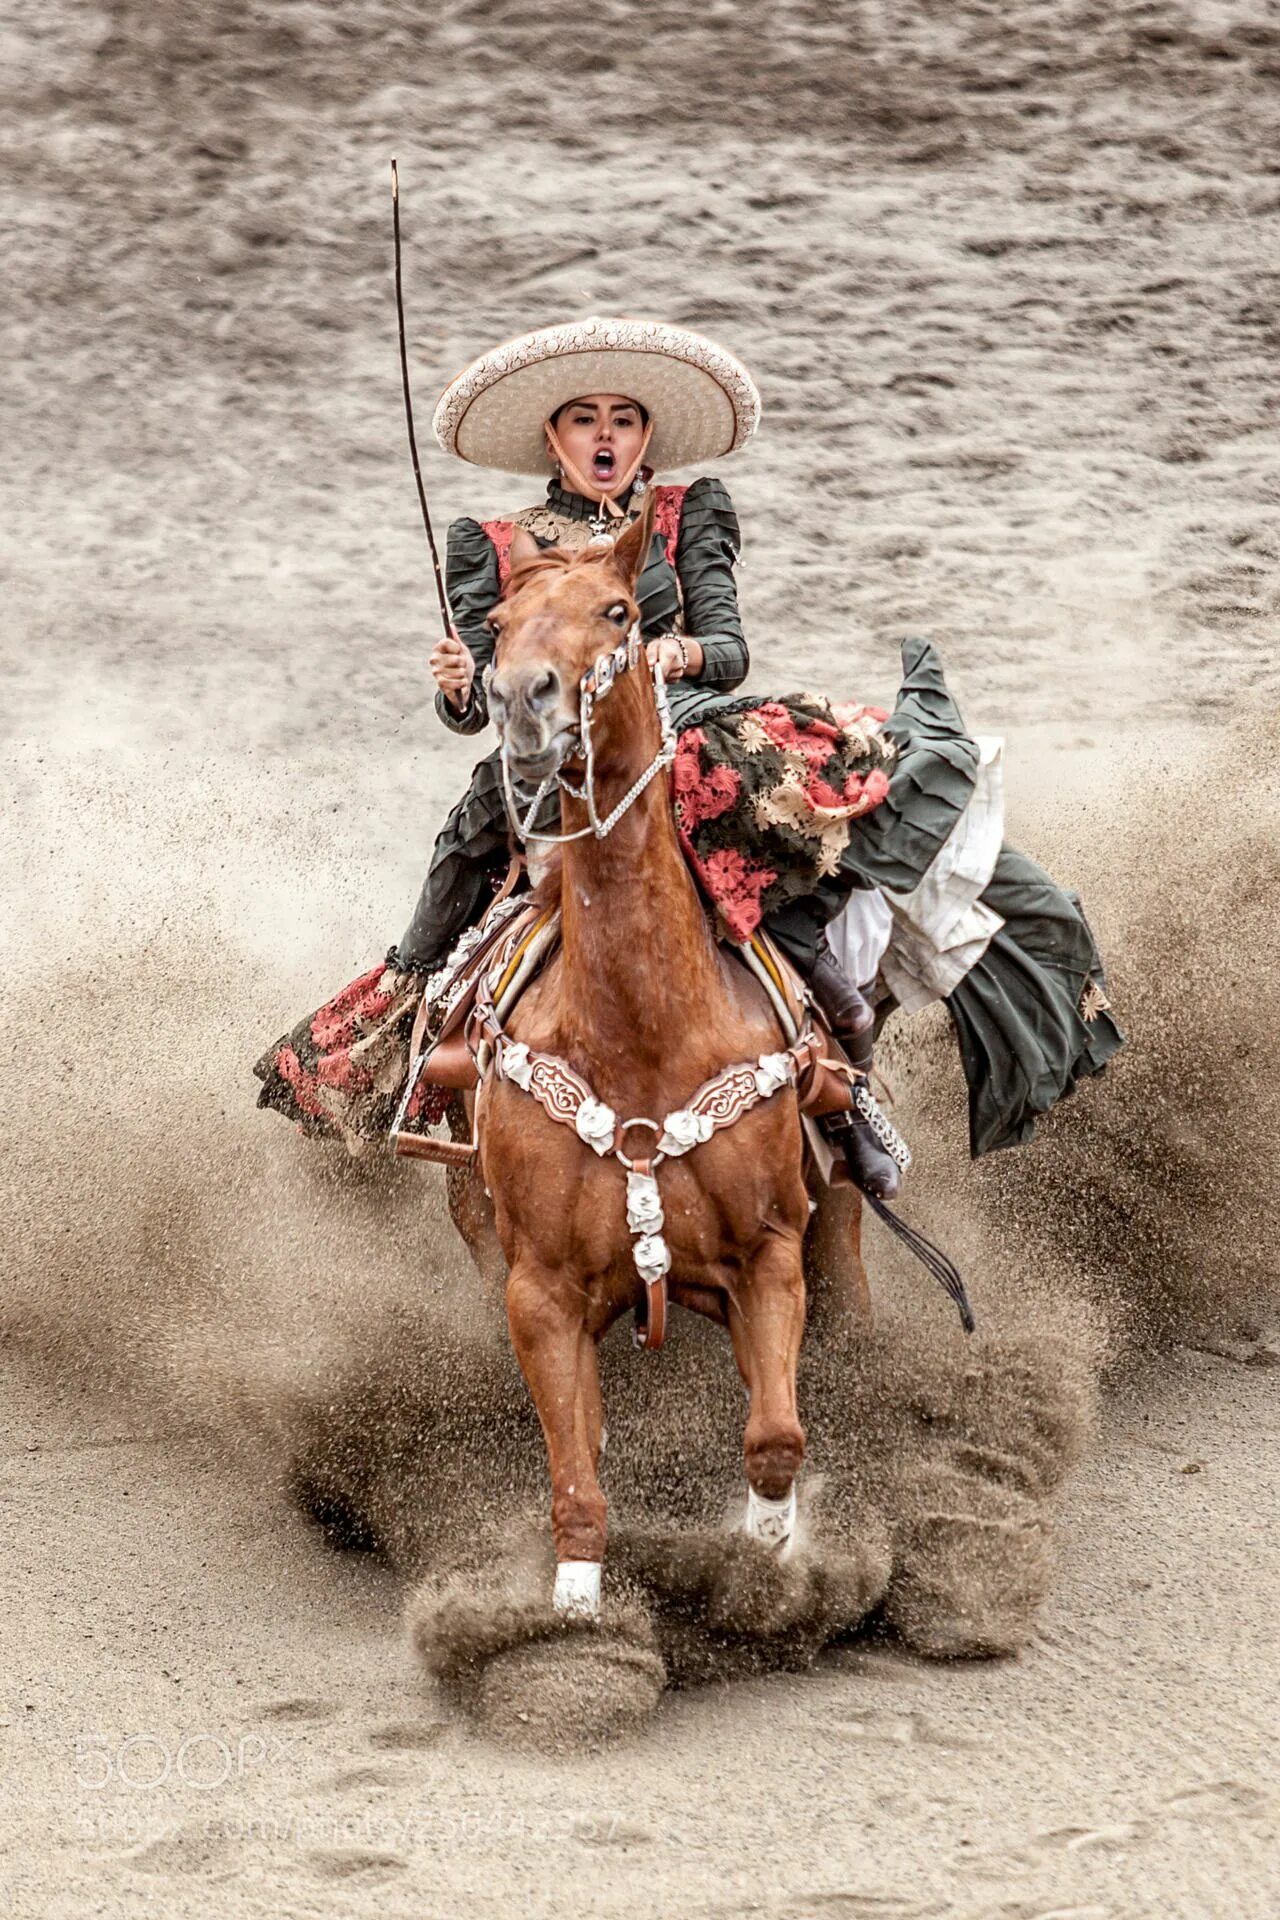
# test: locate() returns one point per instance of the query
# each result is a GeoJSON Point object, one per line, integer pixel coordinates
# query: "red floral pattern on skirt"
{"type": "Point", "coordinates": [342, 1070]}
{"type": "Point", "coordinates": [737, 885]}
{"type": "Point", "coordinates": [765, 794]}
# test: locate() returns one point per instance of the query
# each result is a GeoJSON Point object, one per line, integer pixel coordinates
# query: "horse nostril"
{"type": "Point", "coordinates": [497, 695]}
{"type": "Point", "coordinates": [543, 688]}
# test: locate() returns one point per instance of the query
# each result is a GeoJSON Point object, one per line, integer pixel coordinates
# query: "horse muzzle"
{"type": "Point", "coordinates": [535, 721]}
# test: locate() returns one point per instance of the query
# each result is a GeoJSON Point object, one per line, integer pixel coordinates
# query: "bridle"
{"type": "Point", "coordinates": [594, 685]}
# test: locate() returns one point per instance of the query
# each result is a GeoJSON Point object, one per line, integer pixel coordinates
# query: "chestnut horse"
{"type": "Point", "coordinates": [642, 1006]}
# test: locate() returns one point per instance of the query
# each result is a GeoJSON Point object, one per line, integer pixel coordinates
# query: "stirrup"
{"type": "Point", "coordinates": [865, 1135]}
{"type": "Point", "coordinates": [868, 1108]}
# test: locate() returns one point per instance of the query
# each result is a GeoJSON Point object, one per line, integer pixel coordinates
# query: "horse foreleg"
{"type": "Point", "coordinates": [766, 1321]}
{"type": "Point", "coordinates": [557, 1356]}
{"type": "Point", "coordinates": [471, 1211]}
{"type": "Point", "coordinates": [839, 1295]}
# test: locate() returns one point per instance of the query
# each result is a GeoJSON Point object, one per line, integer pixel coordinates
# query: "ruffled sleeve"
{"type": "Point", "coordinates": [471, 579]}
{"type": "Point", "coordinates": [706, 553]}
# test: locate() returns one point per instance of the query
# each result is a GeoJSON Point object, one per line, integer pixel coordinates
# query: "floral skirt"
{"type": "Point", "coordinates": [341, 1071]}
{"type": "Point", "coordinates": [766, 793]}
{"type": "Point", "coordinates": [781, 801]}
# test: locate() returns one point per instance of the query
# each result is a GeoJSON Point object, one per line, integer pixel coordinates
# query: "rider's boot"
{"type": "Point", "coordinates": [851, 1018]}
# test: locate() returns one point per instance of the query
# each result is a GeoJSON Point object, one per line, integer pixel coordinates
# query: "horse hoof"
{"type": "Point", "coordinates": [772, 1523]}
{"type": "Point", "coordinates": [577, 1590]}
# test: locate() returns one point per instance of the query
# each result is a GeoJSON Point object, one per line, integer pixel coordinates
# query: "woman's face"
{"type": "Point", "coordinates": [601, 433]}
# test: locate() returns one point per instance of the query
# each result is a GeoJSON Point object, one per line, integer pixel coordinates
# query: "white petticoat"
{"type": "Point", "coordinates": [924, 942]}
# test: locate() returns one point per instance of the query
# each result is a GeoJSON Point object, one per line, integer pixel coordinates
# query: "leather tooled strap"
{"type": "Point", "coordinates": [555, 1086]}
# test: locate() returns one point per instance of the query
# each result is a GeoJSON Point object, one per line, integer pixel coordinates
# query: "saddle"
{"type": "Point", "coordinates": [512, 949]}
{"type": "Point", "coordinates": [506, 938]}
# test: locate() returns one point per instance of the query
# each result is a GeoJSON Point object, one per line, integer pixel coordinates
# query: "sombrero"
{"type": "Point", "coordinates": [703, 402]}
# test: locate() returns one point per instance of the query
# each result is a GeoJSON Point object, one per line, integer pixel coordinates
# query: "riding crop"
{"type": "Point", "coordinates": [408, 409]}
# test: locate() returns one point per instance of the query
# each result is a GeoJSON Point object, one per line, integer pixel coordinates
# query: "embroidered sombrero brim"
{"type": "Point", "coordinates": [703, 403]}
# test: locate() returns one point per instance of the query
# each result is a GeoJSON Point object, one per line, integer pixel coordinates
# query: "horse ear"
{"type": "Point", "coordinates": [524, 548]}
{"type": "Point", "coordinates": [631, 549]}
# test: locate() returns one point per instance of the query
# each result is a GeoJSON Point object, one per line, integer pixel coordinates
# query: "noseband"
{"type": "Point", "coordinates": [594, 685]}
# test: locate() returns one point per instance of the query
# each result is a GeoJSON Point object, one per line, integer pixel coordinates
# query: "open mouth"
{"type": "Point", "coordinates": [603, 463]}
{"type": "Point", "coordinates": [529, 770]}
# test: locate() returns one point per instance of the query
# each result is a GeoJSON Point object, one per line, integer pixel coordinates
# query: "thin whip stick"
{"type": "Point", "coordinates": [408, 408]}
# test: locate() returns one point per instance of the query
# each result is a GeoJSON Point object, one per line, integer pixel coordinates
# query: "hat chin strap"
{"type": "Point", "coordinates": [579, 481]}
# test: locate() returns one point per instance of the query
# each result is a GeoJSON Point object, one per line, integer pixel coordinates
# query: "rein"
{"type": "Point", "coordinates": [594, 685]}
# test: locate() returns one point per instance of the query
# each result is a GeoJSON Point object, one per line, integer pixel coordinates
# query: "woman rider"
{"type": "Point", "coordinates": [604, 403]}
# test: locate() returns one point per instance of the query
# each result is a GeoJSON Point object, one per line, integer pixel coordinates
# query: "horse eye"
{"type": "Point", "coordinates": [493, 629]}
{"type": "Point", "coordinates": [618, 614]}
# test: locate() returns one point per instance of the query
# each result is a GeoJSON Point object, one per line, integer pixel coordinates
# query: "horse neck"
{"type": "Point", "coordinates": [639, 962]}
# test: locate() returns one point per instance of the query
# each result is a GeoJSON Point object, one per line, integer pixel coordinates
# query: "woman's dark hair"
{"type": "Point", "coordinates": [642, 411]}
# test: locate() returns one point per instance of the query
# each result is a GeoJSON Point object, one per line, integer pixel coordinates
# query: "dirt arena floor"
{"type": "Point", "coordinates": [1008, 278]}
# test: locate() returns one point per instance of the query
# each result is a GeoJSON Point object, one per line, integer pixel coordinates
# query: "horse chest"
{"type": "Point", "coordinates": [717, 1201]}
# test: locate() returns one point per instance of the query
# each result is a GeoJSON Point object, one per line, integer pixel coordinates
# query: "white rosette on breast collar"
{"type": "Point", "coordinates": [597, 1125]}
{"type": "Point", "coordinates": [773, 1070]}
{"type": "Point", "coordinates": [516, 1064]}
{"type": "Point", "coordinates": [652, 1257]}
{"type": "Point", "coordinates": [644, 1204]}
{"type": "Point", "coordinates": [683, 1130]}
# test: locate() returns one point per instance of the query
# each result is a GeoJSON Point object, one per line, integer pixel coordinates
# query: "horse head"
{"type": "Point", "coordinates": [560, 613]}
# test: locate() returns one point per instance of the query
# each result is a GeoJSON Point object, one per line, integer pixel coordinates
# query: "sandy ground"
{"type": "Point", "coordinates": [1008, 278]}
{"type": "Point", "coordinates": [1124, 1767]}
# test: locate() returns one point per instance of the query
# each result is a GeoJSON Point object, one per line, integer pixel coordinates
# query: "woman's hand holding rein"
{"type": "Point", "coordinates": [453, 669]}
{"type": "Point", "coordinates": [679, 657]}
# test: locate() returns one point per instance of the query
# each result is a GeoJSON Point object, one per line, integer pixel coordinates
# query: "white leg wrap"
{"type": "Point", "coordinates": [771, 1522]}
{"type": "Point", "coordinates": [577, 1589]}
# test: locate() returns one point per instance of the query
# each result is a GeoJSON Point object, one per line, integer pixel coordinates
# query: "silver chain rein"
{"type": "Point", "coordinates": [595, 683]}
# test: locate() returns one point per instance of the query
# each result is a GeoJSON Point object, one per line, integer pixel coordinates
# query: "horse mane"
{"type": "Point", "coordinates": [548, 561]}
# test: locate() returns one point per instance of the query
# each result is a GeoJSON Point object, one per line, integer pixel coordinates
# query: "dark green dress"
{"type": "Point", "coordinates": [1030, 1016]}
